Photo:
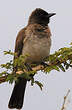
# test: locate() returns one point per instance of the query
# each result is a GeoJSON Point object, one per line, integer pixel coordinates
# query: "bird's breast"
{"type": "Point", "coordinates": [36, 46]}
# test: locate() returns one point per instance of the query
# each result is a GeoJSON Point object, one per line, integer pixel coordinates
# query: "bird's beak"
{"type": "Point", "coordinates": [51, 14]}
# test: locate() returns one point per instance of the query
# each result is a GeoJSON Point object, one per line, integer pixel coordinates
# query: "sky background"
{"type": "Point", "coordinates": [13, 17]}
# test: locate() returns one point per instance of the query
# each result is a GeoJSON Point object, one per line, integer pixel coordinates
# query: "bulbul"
{"type": "Point", "coordinates": [34, 40]}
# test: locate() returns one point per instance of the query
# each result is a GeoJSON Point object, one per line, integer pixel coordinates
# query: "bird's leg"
{"type": "Point", "coordinates": [29, 69]}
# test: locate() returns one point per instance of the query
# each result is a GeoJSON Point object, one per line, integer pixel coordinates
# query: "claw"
{"type": "Point", "coordinates": [29, 69]}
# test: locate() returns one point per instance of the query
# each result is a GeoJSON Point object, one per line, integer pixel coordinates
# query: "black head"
{"type": "Point", "coordinates": [40, 16]}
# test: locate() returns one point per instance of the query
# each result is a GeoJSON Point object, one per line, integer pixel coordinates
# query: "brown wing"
{"type": "Point", "coordinates": [19, 45]}
{"type": "Point", "coordinates": [19, 42]}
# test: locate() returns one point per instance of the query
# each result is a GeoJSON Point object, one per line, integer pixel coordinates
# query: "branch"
{"type": "Point", "coordinates": [64, 102]}
{"type": "Point", "coordinates": [60, 60]}
{"type": "Point", "coordinates": [37, 68]}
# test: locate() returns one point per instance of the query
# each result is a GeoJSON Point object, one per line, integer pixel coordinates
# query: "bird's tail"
{"type": "Point", "coordinates": [17, 97]}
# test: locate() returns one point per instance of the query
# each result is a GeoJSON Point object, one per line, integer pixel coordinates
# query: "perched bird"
{"type": "Point", "coordinates": [35, 40]}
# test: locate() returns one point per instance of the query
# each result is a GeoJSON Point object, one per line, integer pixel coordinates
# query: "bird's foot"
{"type": "Point", "coordinates": [29, 69]}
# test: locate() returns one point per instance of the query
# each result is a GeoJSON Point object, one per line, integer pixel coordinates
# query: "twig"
{"type": "Point", "coordinates": [37, 68]}
{"type": "Point", "coordinates": [64, 102]}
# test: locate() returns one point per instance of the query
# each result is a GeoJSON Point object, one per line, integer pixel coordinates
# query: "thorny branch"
{"type": "Point", "coordinates": [37, 68]}
{"type": "Point", "coordinates": [60, 60]}
{"type": "Point", "coordinates": [64, 102]}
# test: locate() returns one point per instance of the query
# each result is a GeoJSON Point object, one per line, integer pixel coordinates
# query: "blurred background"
{"type": "Point", "coordinates": [14, 16]}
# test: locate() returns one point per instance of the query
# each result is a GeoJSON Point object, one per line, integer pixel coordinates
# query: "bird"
{"type": "Point", "coordinates": [34, 40]}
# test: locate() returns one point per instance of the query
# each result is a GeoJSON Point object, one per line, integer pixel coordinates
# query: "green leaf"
{"type": "Point", "coordinates": [8, 52]}
{"type": "Point", "coordinates": [10, 78]}
{"type": "Point", "coordinates": [48, 69]}
{"type": "Point", "coordinates": [4, 73]}
{"type": "Point", "coordinates": [55, 67]}
{"type": "Point", "coordinates": [3, 65]}
{"type": "Point", "coordinates": [32, 81]}
{"type": "Point", "coordinates": [67, 66]}
{"type": "Point", "coordinates": [71, 43]}
{"type": "Point", "coordinates": [70, 53]}
{"type": "Point", "coordinates": [62, 68]}
{"type": "Point", "coordinates": [39, 84]}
